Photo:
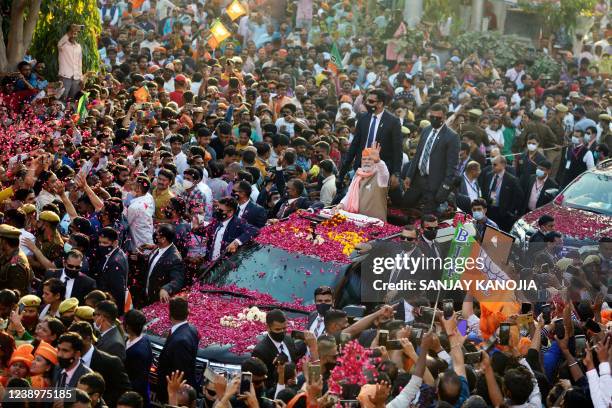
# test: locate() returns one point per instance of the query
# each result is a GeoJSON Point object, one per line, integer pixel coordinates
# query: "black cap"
{"type": "Point", "coordinates": [546, 165]}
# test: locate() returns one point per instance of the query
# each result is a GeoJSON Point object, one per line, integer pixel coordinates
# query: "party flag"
{"type": "Point", "coordinates": [460, 250]}
{"type": "Point", "coordinates": [335, 61]}
{"type": "Point", "coordinates": [82, 106]}
{"type": "Point", "coordinates": [141, 95]}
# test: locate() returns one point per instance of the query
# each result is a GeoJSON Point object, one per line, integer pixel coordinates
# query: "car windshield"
{"type": "Point", "coordinates": [283, 275]}
{"type": "Point", "coordinates": [591, 192]}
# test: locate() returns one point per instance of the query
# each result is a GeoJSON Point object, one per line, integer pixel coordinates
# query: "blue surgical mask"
{"type": "Point", "coordinates": [478, 215]}
{"type": "Point", "coordinates": [587, 138]}
{"type": "Point", "coordinates": [575, 140]}
{"type": "Point", "coordinates": [67, 247]}
{"type": "Point", "coordinates": [540, 173]}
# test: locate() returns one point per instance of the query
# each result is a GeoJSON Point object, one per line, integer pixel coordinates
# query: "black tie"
{"type": "Point", "coordinates": [63, 378]}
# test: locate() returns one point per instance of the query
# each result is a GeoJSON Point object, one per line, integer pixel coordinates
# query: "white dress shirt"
{"type": "Point", "coordinates": [154, 261]}
{"type": "Point", "coordinates": [434, 133]}
{"type": "Point", "coordinates": [318, 326]}
{"type": "Point", "coordinates": [242, 208]}
{"type": "Point", "coordinates": [86, 358]}
{"type": "Point", "coordinates": [376, 119]}
{"type": "Point", "coordinates": [139, 216]}
{"type": "Point", "coordinates": [69, 284]}
{"type": "Point", "coordinates": [280, 349]}
{"type": "Point", "coordinates": [218, 239]}
{"type": "Point", "coordinates": [328, 190]}
{"type": "Point", "coordinates": [472, 188]}
{"type": "Point", "coordinates": [70, 58]}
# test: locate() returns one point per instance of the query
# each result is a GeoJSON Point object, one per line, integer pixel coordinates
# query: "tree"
{"type": "Point", "coordinates": [56, 16]}
{"type": "Point", "coordinates": [19, 19]}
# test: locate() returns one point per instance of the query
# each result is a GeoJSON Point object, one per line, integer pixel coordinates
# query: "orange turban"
{"type": "Point", "coordinates": [367, 152]}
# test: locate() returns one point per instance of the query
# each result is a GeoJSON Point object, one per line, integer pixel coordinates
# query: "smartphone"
{"type": "Point", "coordinates": [383, 338]}
{"type": "Point", "coordinates": [547, 313]}
{"type": "Point", "coordinates": [491, 343]}
{"type": "Point", "coordinates": [427, 314]}
{"type": "Point", "coordinates": [416, 334]}
{"type": "Point", "coordinates": [448, 308]}
{"type": "Point", "coordinates": [297, 334]}
{"type": "Point", "coordinates": [314, 373]}
{"type": "Point", "coordinates": [580, 343]}
{"type": "Point", "coordinates": [21, 307]}
{"type": "Point", "coordinates": [245, 382]}
{"type": "Point", "coordinates": [462, 326]}
{"type": "Point", "coordinates": [209, 374]}
{"type": "Point", "coordinates": [592, 326]}
{"type": "Point", "coordinates": [504, 334]}
{"type": "Point", "coordinates": [282, 358]}
{"type": "Point", "coordinates": [472, 358]}
{"type": "Point", "coordinates": [394, 345]}
{"type": "Point", "coordinates": [559, 329]}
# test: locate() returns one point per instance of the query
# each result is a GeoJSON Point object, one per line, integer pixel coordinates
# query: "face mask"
{"type": "Point", "coordinates": [540, 173]}
{"type": "Point", "coordinates": [435, 121]}
{"type": "Point", "coordinates": [575, 140]}
{"type": "Point", "coordinates": [587, 138]}
{"type": "Point", "coordinates": [67, 321]}
{"type": "Point", "coordinates": [322, 308]}
{"type": "Point", "coordinates": [478, 215]}
{"type": "Point", "coordinates": [532, 147]}
{"type": "Point", "coordinates": [65, 362]}
{"type": "Point", "coordinates": [219, 215]}
{"type": "Point", "coordinates": [187, 184]}
{"type": "Point", "coordinates": [430, 234]}
{"type": "Point", "coordinates": [30, 321]}
{"type": "Point", "coordinates": [67, 247]}
{"type": "Point", "coordinates": [278, 337]}
{"type": "Point", "coordinates": [72, 273]}
{"type": "Point", "coordinates": [104, 250]}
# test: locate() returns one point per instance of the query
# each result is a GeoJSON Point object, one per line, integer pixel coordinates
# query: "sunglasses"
{"type": "Point", "coordinates": [408, 239]}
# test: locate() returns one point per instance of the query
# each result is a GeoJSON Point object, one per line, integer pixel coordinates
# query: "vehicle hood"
{"type": "Point", "coordinates": [573, 222]}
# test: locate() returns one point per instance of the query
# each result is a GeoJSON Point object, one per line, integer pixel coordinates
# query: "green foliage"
{"type": "Point", "coordinates": [55, 18]}
{"type": "Point", "coordinates": [545, 66]}
{"type": "Point", "coordinates": [560, 14]}
{"type": "Point", "coordinates": [436, 11]}
{"type": "Point", "coordinates": [506, 49]}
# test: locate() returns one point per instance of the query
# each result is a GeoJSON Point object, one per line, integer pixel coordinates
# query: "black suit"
{"type": "Point", "coordinates": [255, 214]}
{"type": "Point", "coordinates": [112, 342]}
{"type": "Point", "coordinates": [179, 353]}
{"type": "Point", "coordinates": [113, 371]}
{"type": "Point", "coordinates": [388, 135]}
{"type": "Point", "coordinates": [83, 284]}
{"type": "Point", "coordinates": [168, 273]}
{"type": "Point", "coordinates": [543, 198]}
{"type": "Point", "coordinates": [434, 187]}
{"type": "Point", "coordinates": [113, 278]}
{"type": "Point", "coordinates": [138, 360]}
{"type": "Point", "coordinates": [509, 202]}
{"type": "Point", "coordinates": [266, 351]}
{"type": "Point", "coordinates": [80, 371]}
{"type": "Point", "coordinates": [237, 228]}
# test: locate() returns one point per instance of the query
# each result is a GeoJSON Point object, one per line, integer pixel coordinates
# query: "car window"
{"type": "Point", "coordinates": [283, 275]}
{"type": "Point", "coordinates": [591, 192]}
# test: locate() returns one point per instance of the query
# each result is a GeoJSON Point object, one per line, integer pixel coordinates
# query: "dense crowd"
{"type": "Point", "coordinates": [120, 186]}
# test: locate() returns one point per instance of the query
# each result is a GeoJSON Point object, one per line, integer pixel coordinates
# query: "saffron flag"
{"type": "Point", "coordinates": [82, 106]}
{"type": "Point", "coordinates": [141, 95]}
{"type": "Point", "coordinates": [335, 61]}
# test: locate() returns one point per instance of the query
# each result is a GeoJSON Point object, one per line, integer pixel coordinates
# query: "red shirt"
{"type": "Point", "coordinates": [177, 96]}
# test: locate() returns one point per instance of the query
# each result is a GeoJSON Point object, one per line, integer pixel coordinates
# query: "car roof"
{"type": "Point", "coordinates": [604, 167]}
